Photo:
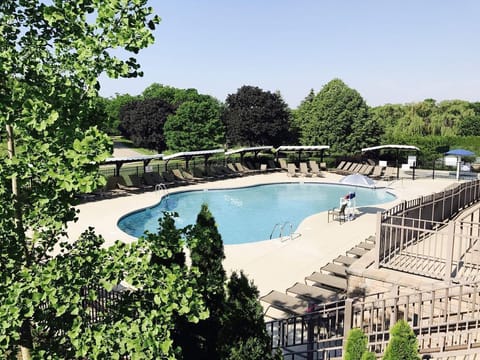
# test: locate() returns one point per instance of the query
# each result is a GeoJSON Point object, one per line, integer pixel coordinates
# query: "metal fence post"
{"type": "Point", "coordinates": [378, 239]}
{"type": "Point", "coordinates": [450, 248]}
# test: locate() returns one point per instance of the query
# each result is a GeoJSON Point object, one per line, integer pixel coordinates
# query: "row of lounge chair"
{"type": "Point", "coordinates": [133, 183]}
{"type": "Point", "coordinates": [305, 169]}
{"type": "Point", "coordinates": [375, 172]}
{"type": "Point", "coordinates": [320, 288]}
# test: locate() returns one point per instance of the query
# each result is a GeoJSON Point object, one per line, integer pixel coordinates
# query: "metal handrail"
{"type": "Point", "coordinates": [281, 226]}
{"type": "Point", "coordinates": [273, 230]}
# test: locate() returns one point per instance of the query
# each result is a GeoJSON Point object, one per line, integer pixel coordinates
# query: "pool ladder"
{"type": "Point", "coordinates": [281, 228]}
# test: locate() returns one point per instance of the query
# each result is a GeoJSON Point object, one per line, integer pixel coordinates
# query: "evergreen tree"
{"type": "Point", "coordinates": [337, 116]}
{"type": "Point", "coordinates": [356, 345]}
{"type": "Point", "coordinates": [207, 254]}
{"type": "Point", "coordinates": [243, 335]}
{"type": "Point", "coordinates": [403, 343]}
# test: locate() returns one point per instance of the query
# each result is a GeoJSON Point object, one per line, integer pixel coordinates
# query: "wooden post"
{"type": "Point", "coordinates": [348, 319]}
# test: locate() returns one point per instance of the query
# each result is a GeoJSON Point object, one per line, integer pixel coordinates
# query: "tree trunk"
{"type": "Point", "coordinates": [26, 342]}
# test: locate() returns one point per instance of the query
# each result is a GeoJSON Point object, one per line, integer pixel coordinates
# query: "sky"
{"type": "Point", "coordinates": [390, 51]}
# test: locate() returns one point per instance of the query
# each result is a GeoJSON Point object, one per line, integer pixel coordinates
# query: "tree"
{"type": "Point", "coordinates": [337, 116]}
{"type": "Point", "coordinates": [207, 254]}
{"type": "Point", "coordinates": [402, 344]}
{"type": "Point", "coordinates": [138, 323]}
{"type": "Point", "coordinates": [356, 345]}
{"type": "Point", "coordinates": [142, 121]}
{"type": "Point", "coordinates": [243, 334]}
{"type": "Point", "coordinates": [195, 126]}
{"type": "Point", "coordinates": [170, 94]}
{"type": "Point", "coordinates": [112, 107]}
{"type": "Point", "coordinates": [256, 117]}
{"type": "Point", "coordinates": [52, 54]}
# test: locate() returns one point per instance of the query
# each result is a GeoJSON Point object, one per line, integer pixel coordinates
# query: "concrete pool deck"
{"type": "Point", "coordinates": [271, 264]}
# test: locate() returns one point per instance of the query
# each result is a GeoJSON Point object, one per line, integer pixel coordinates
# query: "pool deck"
{"type": "Point", "coordinates": [271, 264]}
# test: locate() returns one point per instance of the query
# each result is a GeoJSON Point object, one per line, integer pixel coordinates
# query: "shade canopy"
{"type": "Point", "coordinates": [357, 180]}
{"type": "Point", "coordinates": [254, 149]}
{"type": "Point", "coordinates": [119, 161]}
{"type": "Point", "coordinates": [460, 152]}
{"type": "Point", "coordinates": [391, 146]}
{"type": "Point", "coordinates": [187, 155]}
{"type": "Point", "coordinates": [302, 148]}
{"type": "Point", "coordinates": [397, 147]}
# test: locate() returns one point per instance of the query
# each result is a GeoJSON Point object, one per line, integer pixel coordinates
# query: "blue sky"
{"type": "Point", "coordinates": [389, 51]}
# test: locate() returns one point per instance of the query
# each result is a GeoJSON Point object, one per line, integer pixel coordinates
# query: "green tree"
{"type": "Point", "coordinates": [243, 334]}
{"type": "Point", "coordinates": [52, 54]}
{"type": "Point", "coordinates": [195, 126]}
{"type": "Point", "coordinates": [207, 254]}
{"type": "Point", "coordinates": [255, 117]}
{"type": "Point", "coordinates": [170, 94]}
{"type": "Point", "coordinates": [337, 116]}
{"type": "Point", "coordinates": [112, 108]}
{"type": "Point", "coordinates": [402, 344]}
{"type": "Point", "coordinates": [356, 345]}
{"type": "Point", "coordinates": [142, 121]}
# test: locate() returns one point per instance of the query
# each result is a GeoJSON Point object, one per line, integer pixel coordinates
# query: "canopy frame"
{"type": "Point", "coordinates": [242, 151]}
{"type": "Point", "coordinates": [302, 148]}
{"type": "Point", "coordinates": [188, 155]}
{"type": "Point", "coordinates": [397, 148]}
{"type": "Point", "coordinates": [118, 162]}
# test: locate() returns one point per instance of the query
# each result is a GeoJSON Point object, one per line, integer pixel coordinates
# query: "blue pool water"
{"type": "Point", "coordinates": [249, 214]}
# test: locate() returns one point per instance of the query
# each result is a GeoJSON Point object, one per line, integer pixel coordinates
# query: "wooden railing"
{"type": "Point", "coordinates": [443, 319]}
{"type": "Point", "coordinates": [420, 236]}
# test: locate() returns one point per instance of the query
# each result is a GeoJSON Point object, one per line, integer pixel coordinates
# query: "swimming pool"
{"type": "Point", "coordinates": [250, 214]}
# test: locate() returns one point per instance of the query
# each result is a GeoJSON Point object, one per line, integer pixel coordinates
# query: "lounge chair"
{"type": "Point", "coordinates": [346, 168]}
{"type": "Point", "coordinates": [337, 213]}
{"type": "Point", "coordinates": [171, 178]}
{"type": "Point", "coordinates": [335, 269]}
{"type": "Point", "coordinates": [330, 281]}
{"type": "Point", "coordinates": [179, 176]}
{"type": "Point", "coordinates": [345, 260]}
{"type": "Point", "coordinates": [249, 166]}
{"type": "Point", "coordinates": [315, 293]}
{"type": "Point", "coordinates": [222, 172]}
{"type": "Point", "coordinates": [242, 169]}
{"type": "Point", "coordinates": [212, 173]}
{"type": "Point", "coordinates": [367, 170]}
{"type": "Point", "coordinates": [121, 184]}
{"type": "Point", "coordinates": [362, 168]}
{"type": "Point", "coordinates": [314, 168]}
{"type": "Point", "coordinates": [272, 166]}
{"type": "Point", "coordinates": [190, 177]}
{"type": "Point", "coordinates": [377, 172]}
{"type": "Point", "coordinates": [390, 173]}
{"type": "Point", "coordinates": [283, 164]}
{"type": "Point", "coordinates": [292, 170]}
{"type": "Point", "coordinates": [154, 178]}
{"type": "Point", "coordinates": [137, 181]}
{"type": "Point", "coordinates": [323, 166]}
{"type": "Point", "coordinates": [355, 168]}
{"type": "Point", "coordinates": [304, 170]}
{"type": "Point", "coordinates": [340, 166]}
{"type": "Point", "coordinates": [233, 169]}
{"type": "Point", "coordinates": [357, 251]}
{"type": "Point", "coordinates": [288, 304]}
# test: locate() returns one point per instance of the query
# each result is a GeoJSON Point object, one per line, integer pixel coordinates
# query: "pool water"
{"type": "Point", "coordinates": [251, 213]}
